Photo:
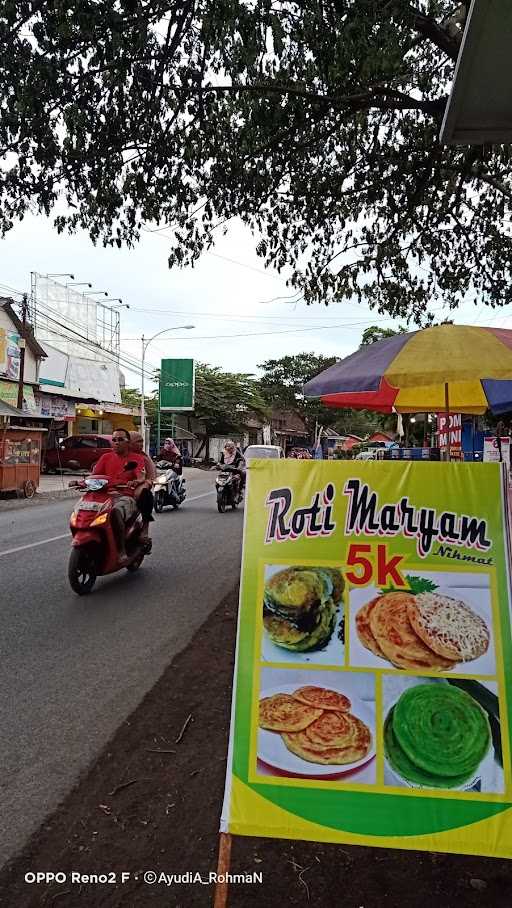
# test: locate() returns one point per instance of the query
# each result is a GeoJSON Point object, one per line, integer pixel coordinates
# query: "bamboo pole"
{"type": "Point", "coordinates": [223, 865]}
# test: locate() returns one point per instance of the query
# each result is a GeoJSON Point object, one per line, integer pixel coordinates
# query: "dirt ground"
{"type": "Point", "coordinates": [150, 803]}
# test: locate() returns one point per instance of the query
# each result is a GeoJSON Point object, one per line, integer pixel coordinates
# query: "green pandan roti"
{"type": "Point", "coordinates": [437, 735]}
{"type": "Point", "coordinates": [400, 762]}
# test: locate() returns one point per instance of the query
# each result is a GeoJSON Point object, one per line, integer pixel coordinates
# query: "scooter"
{"type": "Point", "coordinates": [168, 487]}
{"type": "Point", "coordinates": [228, 485]}
{"type": "Point", "coordinates": [93, 549]}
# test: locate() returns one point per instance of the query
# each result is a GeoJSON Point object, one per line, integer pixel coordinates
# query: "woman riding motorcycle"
{"type": "Point", "coordinates": [172, 454]}
{"type": "Point", "coordinates": [233, 457]}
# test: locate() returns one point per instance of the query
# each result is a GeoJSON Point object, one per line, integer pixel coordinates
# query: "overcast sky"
{"type": "Point", "coordinates": [228, 293]}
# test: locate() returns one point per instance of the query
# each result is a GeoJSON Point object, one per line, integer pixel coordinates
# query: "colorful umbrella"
{"type": "Point", "coordinates": [464, 368]}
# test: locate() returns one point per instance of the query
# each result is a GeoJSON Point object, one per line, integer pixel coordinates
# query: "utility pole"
{"type": "Point", "coordinates": [22, 344]}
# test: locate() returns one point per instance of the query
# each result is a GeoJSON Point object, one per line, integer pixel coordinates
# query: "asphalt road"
{"type": "Point", "coordinates": [72, 669]}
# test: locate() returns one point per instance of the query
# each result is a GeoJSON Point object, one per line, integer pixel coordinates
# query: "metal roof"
{"type": "Point", "coordinates": [7, 410]}
{"type": "Point", "coordinates": [479, 108]}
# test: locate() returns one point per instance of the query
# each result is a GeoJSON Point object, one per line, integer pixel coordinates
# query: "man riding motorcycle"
{"type": "Point", "coordinates": [117, 466]}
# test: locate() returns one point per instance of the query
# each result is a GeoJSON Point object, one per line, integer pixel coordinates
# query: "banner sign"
{"type": "Point", "coordinates": [373, 682]}
{"type": "Point", "coordinates": [9, 354]}
{"type": "Point", "coordinates": [9, 393]}
{"type": "Point", "coordinates": [55, 406]}
{"type": "Point", "coordinates": [492, 450]}
{"type": "Point", "coordinates": [177, 385]}
{"type": "Point", "coordinates": [453, 425]}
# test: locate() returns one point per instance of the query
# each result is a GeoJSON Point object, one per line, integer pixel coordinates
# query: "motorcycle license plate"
{"type": "Point", "coordinates": [89, 506]}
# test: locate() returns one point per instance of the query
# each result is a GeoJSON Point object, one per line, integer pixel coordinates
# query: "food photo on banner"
{"type": "Point", "coordinates": [373, 678]}
{"type": "Point", "coordinates": [303, 614]}
{"type": "Point", "coordinates": [316, 725]}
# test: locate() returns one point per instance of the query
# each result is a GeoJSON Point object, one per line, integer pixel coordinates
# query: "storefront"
{"type": "Point", "coordinates": [103, 418]}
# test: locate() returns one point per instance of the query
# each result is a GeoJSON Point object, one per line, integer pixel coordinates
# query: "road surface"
{"type": "Point", "coordinates": [72, 669]}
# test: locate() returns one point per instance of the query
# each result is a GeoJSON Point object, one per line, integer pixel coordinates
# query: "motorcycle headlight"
{"type": "Point", "coordinates": [99, 520]}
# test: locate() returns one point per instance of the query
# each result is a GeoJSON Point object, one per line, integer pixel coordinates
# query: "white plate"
{"type": "Point", "coordinates": [273, 751]}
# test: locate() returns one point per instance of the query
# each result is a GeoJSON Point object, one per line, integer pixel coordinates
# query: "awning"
{"type": "Point", "coordinates": [7, 410]}
{"type": "Point", "coordinates": [479, 108]}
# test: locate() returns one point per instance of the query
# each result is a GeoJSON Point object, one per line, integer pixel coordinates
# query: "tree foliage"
{"type": "Point", "coordinates": [374, 333]}
{"type": "Point", "coordinates": [315, 122]}
{"type": "Point", "coordinates": [225, 400]}
{"type": "Point", "coordinates": [283, 380]}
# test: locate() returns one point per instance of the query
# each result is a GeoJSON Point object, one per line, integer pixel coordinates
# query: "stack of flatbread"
{"type": "Point", "coordinates": [427, 631]}
{"type": "Point", "coordinates": [316, 725]}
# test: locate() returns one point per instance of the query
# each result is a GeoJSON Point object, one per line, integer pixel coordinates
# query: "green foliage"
{"type": "Point", "coordinates": [224, 400]}
{"type": "Point", "coordinates": [283, 380]}
{"type": "Point", "coordinates": [316, 123]}
{"type": "Point", "coordinates": [374, 333]}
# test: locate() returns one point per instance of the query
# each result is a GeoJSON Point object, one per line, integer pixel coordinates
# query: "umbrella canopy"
{"type": "Point", "coordinates": [466, 367]}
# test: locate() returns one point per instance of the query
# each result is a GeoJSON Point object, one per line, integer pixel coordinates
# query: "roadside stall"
{"type": "Point", "coordinates": [444, 369]}
{"type": "Point", "coordinates": [20, 454]}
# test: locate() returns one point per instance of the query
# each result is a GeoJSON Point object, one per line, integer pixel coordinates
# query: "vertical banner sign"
{"type": "Point", "coordinates": [177, 385]}
{"type": "Point", "coordinates": [453, 426]}
{"type": "Point", "coordinates": [9, 354]}
{"type": "Point", "coordinates": [373, 680]}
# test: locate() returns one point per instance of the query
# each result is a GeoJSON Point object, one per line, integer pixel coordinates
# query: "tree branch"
{"type": "Point", "coordinates": [430, 29]}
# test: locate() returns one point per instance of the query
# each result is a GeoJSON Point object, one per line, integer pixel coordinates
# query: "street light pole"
{"type": "Point", "coordinates": [145, 345]}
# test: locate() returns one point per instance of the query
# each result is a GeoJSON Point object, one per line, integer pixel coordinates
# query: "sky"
{"type": "Point", "coordinates": [236, 306]}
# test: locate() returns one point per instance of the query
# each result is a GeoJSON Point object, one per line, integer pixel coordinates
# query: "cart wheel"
{"type": "Point", "coordinates": [29, 488]}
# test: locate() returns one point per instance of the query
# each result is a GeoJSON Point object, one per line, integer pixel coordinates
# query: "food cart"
{"type": "Point", "coordinates": [20, 454]}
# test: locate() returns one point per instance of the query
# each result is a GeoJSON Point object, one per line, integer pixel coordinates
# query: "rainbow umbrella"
{"type": "Point", "coordinates": [464, 368]}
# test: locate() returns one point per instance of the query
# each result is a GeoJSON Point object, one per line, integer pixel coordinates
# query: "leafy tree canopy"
{"type": "Point", "coordinates": [315, 122]}
{"type": "Point", "coordinates": [283, 380]}
{"type": "Point", "coordinates": [374, 333]}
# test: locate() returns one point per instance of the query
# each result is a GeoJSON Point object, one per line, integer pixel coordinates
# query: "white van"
{"type": "Point", "coordinates": [254, 451]}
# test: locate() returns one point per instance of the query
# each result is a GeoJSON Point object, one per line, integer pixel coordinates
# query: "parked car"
{"type": "Point", "coordinates": [254, 451]}
{"type": "Point", "coordinates": [83, 450]}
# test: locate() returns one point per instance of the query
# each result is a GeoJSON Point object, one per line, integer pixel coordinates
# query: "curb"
{"type": "Point", "coordinates": [12, 504]}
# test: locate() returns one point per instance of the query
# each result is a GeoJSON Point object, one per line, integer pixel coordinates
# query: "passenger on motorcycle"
{"type": "Point", "coordinates": [143, 494]}
{"type": "Point", "coordinates": [114, 465]}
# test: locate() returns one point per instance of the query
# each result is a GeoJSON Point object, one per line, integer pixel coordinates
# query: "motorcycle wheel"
{"type": "Point", "coordinates": [159, 502]}
{"type": "Point", "coordinates": [234, 501]}
{"type": "Point", "coordinates": [135, 564]}
{"type": "Point", "coordinates": [82, 572]}
{"type": "Point", "coordinates": [221, 502]}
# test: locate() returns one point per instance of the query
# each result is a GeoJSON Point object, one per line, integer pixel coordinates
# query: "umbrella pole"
{"type": "Point", "coordinates": [447, 409]}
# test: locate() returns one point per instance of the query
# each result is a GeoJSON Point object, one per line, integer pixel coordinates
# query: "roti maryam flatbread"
{"type": "Point", "coordinates": [322, 698]}
{"type": "Point", "coordinates": [363, 628]}
{"type": "Point", "coordinates": [391, 627]}
{"type": "Point", "coordinates": [449, 627]}
{"type": "Point", "coordinates": [334, 738]}
{"type": "Point", "coordinates": [282, 712]}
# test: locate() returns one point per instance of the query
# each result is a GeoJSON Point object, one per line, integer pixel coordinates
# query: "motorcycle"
{"type": "Point", "coordinates": [93, 549]}
{"type": "Point", "coordinates": [229, 488]}
{"type": "Point", "coordinates": [168, 487]}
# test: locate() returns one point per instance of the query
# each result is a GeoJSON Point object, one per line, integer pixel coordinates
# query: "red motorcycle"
{"type": "Point", "coordinates": [94, 550]}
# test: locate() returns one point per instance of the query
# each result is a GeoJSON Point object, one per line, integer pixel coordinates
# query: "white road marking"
{"type": "Point", "coordinates": [32, 545]}
{"type": "Point", "coordinates": [203, 495]}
